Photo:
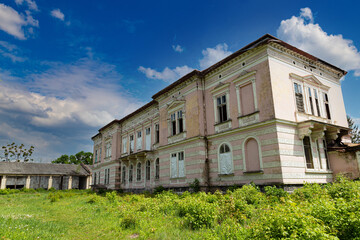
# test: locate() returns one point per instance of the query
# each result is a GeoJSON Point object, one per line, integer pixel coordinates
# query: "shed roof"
{"type": "Point", "coordinates": [27, 168]}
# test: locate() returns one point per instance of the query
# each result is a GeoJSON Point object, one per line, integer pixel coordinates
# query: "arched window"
{"type": "Point", "coordinates": [123, 174]}
{"type": "Point", "coordinates": [131, 168]}
{"type": "Point", "coordinates": [147, 170]}
{"type": "Point", "coordinates": [252, 156]}
{"type": "Point", "coordinates": [138, 172]}
{"type": "Point", "coordinates": [225, 159]}
{"type": "Point", "coordinates": [157, 169]}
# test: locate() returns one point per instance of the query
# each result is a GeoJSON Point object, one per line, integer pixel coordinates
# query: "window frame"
{"type": "Point", "coordinates": [157, 168]}
{"type": "Point", "coordinates": [219, 158]}
{"type": "Point", "coordinates": [157, 133]}
{"type": "Point", "coordinates": [138, 172]}
{"type": "Point", "coordinates": [131, 173]}
{"type": "Point", "coordinates": [244, 154]}
{"type": "Point", "coordinates": [147, 170]}
{"type": "Point", "coordinates": [244, 80]}
{"type": "Point", "coordinates": [305, 147]}
{"type": "Point", "coordinates": [178, 154]}
{"type": "Point", "coordinates": [108, 150]}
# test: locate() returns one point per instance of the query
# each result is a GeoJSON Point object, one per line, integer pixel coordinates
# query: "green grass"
{"type": "Point", "coordinates": [313, 212]}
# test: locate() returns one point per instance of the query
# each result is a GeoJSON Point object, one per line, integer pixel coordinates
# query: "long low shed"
{"type": "Point", "coordinates": [17, 175]}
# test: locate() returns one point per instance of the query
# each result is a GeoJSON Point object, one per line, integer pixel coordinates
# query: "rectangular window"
{"type": "Point", "coordinates": [326, 155]}
{"type": "Point", "coordinates": [148, 139]}
{"type": "Point", "coordinates": [123, 174]}
{"type": "Point", "coordinates": [311, 102]}
{"type": "Point", "coordinates": [139, 141]}
{"type": "Point", "coordinates": [96, 156]}
{"type": "Point", "coordinates": [94, 179]}
{"type": "Point", "coordinates": [157, 133]}
{"type": "Point", "coordinates": [107, 176]}
{"type": "Point", "coordinates": [222, 110]}
{"type": "Point", "coordinates": [147, 131]}
{"type": "Point", "coordinates": [180, 121]}
{"type": "Point", "coordinates": [131, 143]}
{"type": "Point", "coordinates": [327, 108]}
{"type": "Point", "coordinates": [317, 102]}
{"type": "Point", "coordinates": [131, 168]}
{"type": "Point", "coordinates": [247, 99]}
{"type": "Point", "coordinates": [318, 153]}
{"type": "Point", "coordinates": [308, 152]}
{"type": "Point", "coordinates": [124, 144]}
{"type": "Point", "coordinates": [173, 124]}
{"type": "Point", "coordinates": [299, 98]}
{"type": "Point", "coordinates": [177, 163]}
{"type": "Point", "coordinates": [108, 150]}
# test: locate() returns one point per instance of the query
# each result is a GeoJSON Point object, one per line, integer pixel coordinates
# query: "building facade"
{"type": "Point", "coordinates": [265, 114]}
{"type": "Point", "coordinates": [17, 175]}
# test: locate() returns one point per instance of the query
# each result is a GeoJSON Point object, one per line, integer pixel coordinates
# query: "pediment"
{"type": "Point", "coordinates": [219, 87]}
{"type": "Point", "coordinates": [310, 80]}
{"type": "Point", "coordinates": [176, 103]}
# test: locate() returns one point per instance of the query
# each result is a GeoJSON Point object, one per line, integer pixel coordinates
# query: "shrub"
{"type": "Point", "coordinates": [112, 196]}
{"type": "Point", "coordinates": [275, 193]}
{"type": "Point", "coordinates": [196, 213]}
{"type": "Point", "coordinates": [54, 196]}
{"type": "Point", "coordinates": [129, 222]}
{"type": "Point", "coordinates": [344, 188]}
{"type": "Point", "coordinates": [195, 185]}
{"type": "Point", "coordinates": [159, 189]}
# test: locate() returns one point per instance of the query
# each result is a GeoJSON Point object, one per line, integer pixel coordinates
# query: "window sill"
{"type": "Point", "coordinates": [175, 178]}
{"type": "Point", "coordinates": [177, 137]}
{"type": "Point", "coordinates": [248, 119]}
{"type": "Point", "coordinates": [219, 123]}
{"type": "Point", "coordinates": [226, 175]}
{"type": "Point", "coordinates": [316, 171]}
{"type": "Point", "coordinates": [303, 116]}
{"type": "Point", "coordinates": [254, 172]}
{"type": "Point", "coordinates": [249, 114]}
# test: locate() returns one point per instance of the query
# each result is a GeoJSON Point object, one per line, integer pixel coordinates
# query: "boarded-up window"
{"type": "Point", "coordinates": [131, 143]}
{"type": "Point", "coordinates": [148, 139]}
{"type": "Point", "coordinates": [252, 158]}
{"type": "Point", "coordinates": [173, 163]}
{"type": "Point", "coordinates": [124, 144]}
{"type": "Point", "coordinates": [299, 98]}
{"type": "Point", "coordinates": [139, 140]}
{"type": "Point", "coordinates": [247, 99]}
{"type": "Point", "coordinates": [177, 165]}
{"type": "Point", "coordinates": [225, 158]}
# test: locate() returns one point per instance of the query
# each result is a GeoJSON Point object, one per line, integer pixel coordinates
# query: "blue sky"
{"type": "Point", "coordinates": [69, 67]}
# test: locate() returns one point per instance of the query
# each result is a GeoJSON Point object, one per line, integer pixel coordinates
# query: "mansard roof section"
{"type": "Point", "coordinates": [266, 39]}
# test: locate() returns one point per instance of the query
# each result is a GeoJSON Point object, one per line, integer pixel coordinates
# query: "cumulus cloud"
{"type": "Point", "coordinates": [56, 13]}
{"type": "Point", "coordinates": [210, 56]}
{"type": "Point", "coordinates": [302, 32]}
{"type": "Point", "coordinates": [167, 75]}
{"type": "Point", "coordinates": [213, 55]}
{"type": "Point", "coordinates": [178, 48]}
{"type": "Point", "coordinates": [62, 107]}
{"type": "Point", "coordinates": [16, 24]}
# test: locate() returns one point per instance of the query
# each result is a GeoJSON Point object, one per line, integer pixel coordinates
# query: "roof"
{"type": "Point", "coordinates": [30, 168]}
{"type": "Point", "coordinates": [267, 38]}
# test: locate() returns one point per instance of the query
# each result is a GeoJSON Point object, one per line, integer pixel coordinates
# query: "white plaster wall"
{"type": "Point", "coordinates": [284, 101]}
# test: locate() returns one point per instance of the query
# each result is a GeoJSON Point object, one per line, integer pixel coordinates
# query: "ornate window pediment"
{"type": "Point", "coordinates": [175, 104]}
{"type": "Point", "coordinates": [310, 80]}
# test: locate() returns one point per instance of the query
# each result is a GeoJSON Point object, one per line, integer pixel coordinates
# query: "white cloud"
{"type": "Point", "coordinates": [85, 92]}
{"type": "Point", "coordinates": [31, 4]}
{"type": "Point", "coordinates": [11, 51]}
{"type": "Point", "coordinates": [178, 48]}
{"type": "Point", "coordinates": [14, 23]}
{"type": "Point", "coordinates": [303, 33]}
{"type": "Point", "coordinates": [213, 55]}
{"type": "Point", "coordinates": [167, 75]}
{"type": "Point", "coordinates": [56, 13]}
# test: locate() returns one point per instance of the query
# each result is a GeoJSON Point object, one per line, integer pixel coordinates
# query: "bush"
{"type": "Point", "coordinates": [275, 193]}
{"type": "Point", "coordinates": [197, 213]}
{"type": "Point", "coordinates": [159, 189]}
{"type": "Point", "coordinates": [129, 222]}
{"type": "Point", "coordinates": [195, 185]}
{"type": "Point", "coordinates": [55, 196]}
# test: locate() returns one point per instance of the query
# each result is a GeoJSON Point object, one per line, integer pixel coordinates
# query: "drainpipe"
{"type": "Point", "coordinates": [207, 163]}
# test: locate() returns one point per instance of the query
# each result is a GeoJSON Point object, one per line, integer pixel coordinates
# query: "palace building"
{"type": "Point", "coordinates": [269, 113]}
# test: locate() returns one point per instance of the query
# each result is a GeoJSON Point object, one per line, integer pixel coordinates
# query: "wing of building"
{"type": "Point", "coordinates": [268, 114]}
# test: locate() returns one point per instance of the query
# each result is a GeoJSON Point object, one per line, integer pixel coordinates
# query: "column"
{"type": "Point", "coordinates": [50, 182]}
{"type": "Point", "coordinates": [3, 182]}
{"type": "Point", "coordinates": [28, 182]}
{"type": "Point", "coordinates": [88, 182]}
{"type": "Point", "coordinates": [70, 182]}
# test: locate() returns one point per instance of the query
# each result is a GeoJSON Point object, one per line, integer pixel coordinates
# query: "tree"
{"type": "Point", "coordinates": [355, 132]}
{"type": "Point", "coordinates": [80, 157]}
{"type": "Point", "coordinates": [14, 152]}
